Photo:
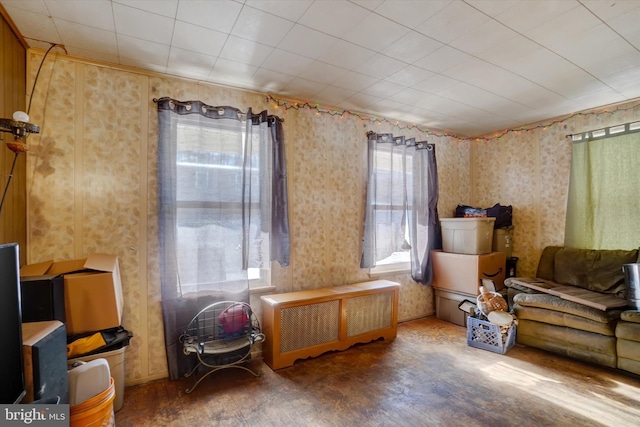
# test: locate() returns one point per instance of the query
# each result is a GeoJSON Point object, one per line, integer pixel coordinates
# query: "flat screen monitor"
{"type": "Point", "coordinates": [11, 369]}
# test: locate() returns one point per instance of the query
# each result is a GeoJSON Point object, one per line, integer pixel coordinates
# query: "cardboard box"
{"type": "Point", "coordinates": [93, 291]}
{"type": "Point", "coordinates": [463, 273]}
{"type": "Point", "coordinates": [473, 236]}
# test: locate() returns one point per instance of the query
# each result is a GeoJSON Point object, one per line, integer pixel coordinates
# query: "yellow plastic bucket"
{"type": "Point", "coordinates": [97, 411]}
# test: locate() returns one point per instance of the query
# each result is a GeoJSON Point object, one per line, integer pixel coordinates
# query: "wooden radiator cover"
{"type": "Point", "coordinates": [305, 324]}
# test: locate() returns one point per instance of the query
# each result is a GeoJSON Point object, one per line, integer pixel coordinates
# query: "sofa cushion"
{"type": "Point", "coordinates": [552, 302]}
{"type": "Point", "coordinates": [628, 331]}
{"type": "Point", "coordinates": [560, 318]}
{"type": "Point", "coordinates": [546, 262]}
{"type": "Point", "coordinates": [631, 316]}
{"type": "Point", "coordinates": [598, 270]}
{"type": "Point", "coordinates": [575, 343]}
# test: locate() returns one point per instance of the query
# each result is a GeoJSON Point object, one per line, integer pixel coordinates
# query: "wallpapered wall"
{"type": "Point", "coordinates": [530, 171]}
{"type": "Point", "coordinates": [92, 187]}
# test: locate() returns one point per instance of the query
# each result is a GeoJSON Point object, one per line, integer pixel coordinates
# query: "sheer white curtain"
{"type": "Point", "coordinates": [216, 209]}
{"type": "Point", "coordinates": [603, 202]}
{"type": "Point", "coordinates": [402, 198]}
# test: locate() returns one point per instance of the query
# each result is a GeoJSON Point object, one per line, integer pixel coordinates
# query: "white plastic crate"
{"type": "Point", "coordinates": [487, 336]}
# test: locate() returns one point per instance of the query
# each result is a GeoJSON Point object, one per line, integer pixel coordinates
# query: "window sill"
{"type": "Point", "coordinates": [261, 289]}
{"type": "Point", "coordinates": [390, 269]}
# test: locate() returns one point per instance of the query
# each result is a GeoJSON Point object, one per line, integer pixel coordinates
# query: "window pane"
{"type": "Point", "coordinates": [209, 195]}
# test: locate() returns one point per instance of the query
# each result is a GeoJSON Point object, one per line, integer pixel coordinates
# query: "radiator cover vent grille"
{"type": "Point", "coordinates": [309, 325]}
{"type": "Point", "coordinates": [368, 313]}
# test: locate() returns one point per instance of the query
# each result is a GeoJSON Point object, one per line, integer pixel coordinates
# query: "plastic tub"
{"type": "Point", "coordinates": [115, 358]}
{"type": "Point", "coordinates": [97, 411]}
{"type": "Point", "coordinates": [471, 236]}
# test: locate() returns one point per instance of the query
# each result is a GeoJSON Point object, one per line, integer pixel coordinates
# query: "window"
{"type": "Point", "coordinates": [209, 178]}
{"type": "Point", "coordinates": [389, 205]}
{"type": "Point", "coordinates": [401, 227]}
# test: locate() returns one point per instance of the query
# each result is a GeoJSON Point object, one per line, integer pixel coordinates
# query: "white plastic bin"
{"type": "Point", "coordinates": [115, 358]}
{"type": "Point", "coordinates": [471, 236]}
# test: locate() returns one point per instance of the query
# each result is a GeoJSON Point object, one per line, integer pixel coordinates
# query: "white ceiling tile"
{"type": "Point", "coordinates": [231, 72]}
{"type": "Point", "coordinates": [287, 9]}
{"type": "Point", "coordinates": [482, 99]}
{"type": "Point", "coordinates": [442, 59]}
{"type": "Point", "coordinates": [190, 64]}
{"type": "Point", "coordinates": [286, 62]}
{"type": "Point", "coordinates": [387, 108]}
{"type": "Point", "coordinates": [246, 51]}
{"type": "Point", "coordinates": [36, 26]}
{"type": "Point", "coordinates": [345, 54]}
{"type": "Point", "coordinates": [558, 30]}
{"type": "Point", "coordinates": [407, 96]}
{"type": "Point", "coordinates": [131, 62]}
{"type": "Point", "coordinates": [142, 51]}
{"type": "Point", "coordinates": [452, 22]}
{"type": "Point", "coordinates": [261, 27]}
{"type": "Point", "coordinates": [96, 13]}
{"type": "Point", "coordinates": [332, 96]}
{"type": "Point", "coordinates": [524, 15]}
{"type": "Point", "coordinates": [603, 97]}
{"type": "Point", "coordinates": [143, 25]}
{"type": "Point", "coordinates": [410, 13]}
{"type": "Point", "coordinates": [90, 38]}
{"type": "Point", "coordinates": [217, 15]}
{"type": "Point", "coordinates": [271, 81]}
{"type": "Point", "coordinates": [483, 37]}
{"type": "Point", "coordinates": [322, 73]}
{"type": "Point", "coordinates": [167, 8]}
{"type": "Point", "coordinates": [508, 53]}
{"type": "Point", "coordinates": [436, 83]}
{"type": "Point", "coordinates": [375, 32]}
{"type": "Point", "coordinates": [409, 76]}
{"type": "Point", "coordinates": [359, 101]}
{"type": "Point", "coordinates": [198, 39]}
{"type": "Point", "coordinates": [306, 42]}
{"type": "Point", "coordinates": [355, 81]}
{"type": "Point", "coordinates": [302, 88]}
{"type": "Point", "coordinates": [380, 66]}
{"type": "Point", "coordinates": [35, 6]}
{"type": "Point", "coordinates": [623, 81]}
{"type": "Point", "coordinates": [335, 18]}
{"type": "Point", "coordinates": [412, 47]}
{"type": "Point", "coordinates": [608, 10]}
{"type": "Point", "coordinates": [382, 89]}
{"type": "Point", "coordinates": [368, 4]}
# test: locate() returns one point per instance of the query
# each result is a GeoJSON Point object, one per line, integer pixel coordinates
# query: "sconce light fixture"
{"type": "Point", "coordinates": [20, 128]}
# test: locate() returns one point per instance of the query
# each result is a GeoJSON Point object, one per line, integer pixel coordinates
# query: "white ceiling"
{"type": "Point", "coordinates": [468, 67]}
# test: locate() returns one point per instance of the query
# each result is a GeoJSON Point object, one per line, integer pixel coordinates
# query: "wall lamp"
{"type": "Point", "coordinates": [20, 128]}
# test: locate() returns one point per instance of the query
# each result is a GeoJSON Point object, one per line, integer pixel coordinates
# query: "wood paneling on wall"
{"type": "Point", "coordinates": [13, 220]}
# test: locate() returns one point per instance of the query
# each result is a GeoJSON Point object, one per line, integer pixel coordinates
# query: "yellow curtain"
{"type": "Point", "coordinates": [603, 210]}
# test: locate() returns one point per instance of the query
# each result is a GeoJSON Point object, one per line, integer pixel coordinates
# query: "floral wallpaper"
{"type": "Point", "coordinates": [92, 187]}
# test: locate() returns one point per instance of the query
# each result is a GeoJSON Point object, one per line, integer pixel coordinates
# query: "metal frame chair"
{"type": "Point", "coordinates": [221, 335]}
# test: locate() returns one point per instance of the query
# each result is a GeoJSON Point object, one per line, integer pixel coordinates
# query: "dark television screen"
{"type": "Point", "coordinates": [12, 380]}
